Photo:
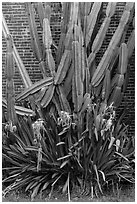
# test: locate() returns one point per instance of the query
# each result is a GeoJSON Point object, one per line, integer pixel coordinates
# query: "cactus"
{"type": "Point", "coordinates": [102, 32]}
{"type": "Point", "coordinates": [47, 96]}
{"type": "Point", "coordinates": [91, 20]}
{"type": "Point", "coordinates": [118, 80]}
{"type": "Point", "coordinates": [35, 43]}
{"type": "Point", "coordinates": [105, 61]}
{"type": "Point", "coordinates": [34, 88]}
{"type": "Point", "coordinates": [9, 74]}
{"type": "Point", "coordinates": [63, 67]}
{"type": "Point", "coordinates": [75, 74]}
{"type": "Point", "coordinates": [23, 72]}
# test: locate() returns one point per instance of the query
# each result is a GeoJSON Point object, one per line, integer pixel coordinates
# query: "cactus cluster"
{"type": "Point", "coordinates": [73, 75]}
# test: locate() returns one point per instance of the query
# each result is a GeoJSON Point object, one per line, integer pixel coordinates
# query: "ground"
{"type": "Point", "coordinates": [124, 194]}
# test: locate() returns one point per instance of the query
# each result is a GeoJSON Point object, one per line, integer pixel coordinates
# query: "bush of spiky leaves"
{"type": "Point", "coordinates": [48, 153]}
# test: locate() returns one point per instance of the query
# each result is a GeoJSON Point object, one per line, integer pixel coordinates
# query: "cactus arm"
{"type": "Point", "coordinates": [102, 31]}
{"type": "Point", "coordinates": [118, 79]}
{"type": "Point", "coordinates": [64, 101]}
{"type": "Point", "coordinates": [64, 25]}
{"type": "Point", "coordinates": [9, 74]}
{"type": "Point", "coordinates": [23, 72]}
{"type": "Point", "coordinates": [77, 84]}
{"type": "Point", "coordinates": [35, 43]}
{"type": "Point", "coordinates": [47, 96]}
{"type": "Point", "coordinates": [68, 80]}
{"type": "Point", "coordinates": [131, 44]}
{"type": "Point", "coordinates": [123, 59]}
{"type": "Point", "coordinates": [47, 41]}
{"type": "Point", "coordinates": [33, 30]}
{"type": "Point", "coordinates": [104, 63]}
{"type": "Point", "coordinates": [34, 88]}
{"type": "Point", "coordinates": [106, 86]}
{"type": "Point", "coordinates": [91, 20]}
{"type": "Point", "coordinates": [43, 12]}
{"type": "Point", "coordinates": [63, 67]}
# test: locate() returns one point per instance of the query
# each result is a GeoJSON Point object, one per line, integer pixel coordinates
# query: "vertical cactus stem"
{"type": "Point", "coordinates": [23, 72]}
{"type": "Point", "coordinates": [47, 41]}
{"type": "Point", "coordinates": [106, 59]}
{"type": "Point", "coordinates": [110, 10]}
{"type": "Point", "coordinates": [131, 44]}
{"type": "Point", "coordinates": [123, 59]}
{"type": "Point", "coordinates": [91, 20]}
{"type": "Point", "coordinates": [9, 74]}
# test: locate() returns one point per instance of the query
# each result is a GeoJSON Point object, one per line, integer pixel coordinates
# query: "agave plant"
{"type": "Point", "coordinates": [75, 139]}
{"type": "Point", "coordinates": [48, 152]}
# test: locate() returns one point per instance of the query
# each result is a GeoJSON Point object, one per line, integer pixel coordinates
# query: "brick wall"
{"type": "Point", "coordinates": [17, 21]}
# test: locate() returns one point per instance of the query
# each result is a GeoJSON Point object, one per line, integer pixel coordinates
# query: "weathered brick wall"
{"type": "Point", "coordinates": [17, 21]}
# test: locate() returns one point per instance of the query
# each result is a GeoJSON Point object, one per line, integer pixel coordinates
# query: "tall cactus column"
{"type": "Point", "coordinates": [9, 74]}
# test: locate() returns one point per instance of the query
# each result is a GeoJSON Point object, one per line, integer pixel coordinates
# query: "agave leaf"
{"type": "Point", "coordinates": [103, 175]}
{"type": "Point", "coordinates": [11, 160]}
{"type": "Point", "coordinates": [35, 191]}
{"type": "Point", "coordinates": [64, 157]}
{"type": "Point", "coordinates": [26, 135]}
{"type": "Point", "coordinates": [17, 156]}
{"type": "Point", "coordinates": [56, 180]}
{"type": "Point", "coordinates": [60, 143]}
{"type": "Point", "coordinates": [66, 185]}
{"type": "Point", "coordinates": [97, 176]}
{"type": "Point", "coordinates": [29, 186]}
{"type": "Point", "coordinates": [64, 163]}
{"type": "Point", "coordinates": [35, 87]}
{"type": "Point", "coordinates": [121, 155]}
{"type": "Point", "coordinates": [45, 185]}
